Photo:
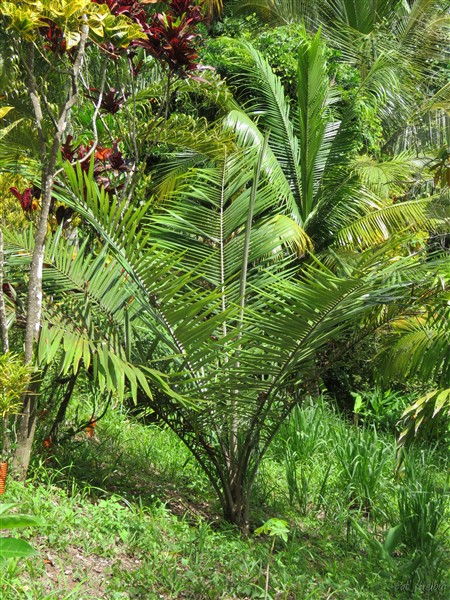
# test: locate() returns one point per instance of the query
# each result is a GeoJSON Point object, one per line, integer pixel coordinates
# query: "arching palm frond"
{"type": "Point", "coordinates": [420, 347]}
{"type": "Point", "coordinates": [387, 178]}
{"type": "Point", "coordinates": [421, 31]}
{"type": "Point", "coordinates": [206, 221]}
{"type": "Point", "coordinates": [307, 145]}
{"type": "Point", "coordinates": [425, 415]}
{"type": "Point", "coordinates": [315, 132]}
{"type": "Point", "coordinates": [248, 135]}
{"type": "Point", "coordinates": [395, 46]}
{"type": "Point", "coordinates": [193, 144]}
{"type": "Point", "coordinates": [359, 16]}
{"type": "Point", "coordinates": [311, 161]}
{"type": "Point", "coordinates": [269, 108]}
{"type": "Point", "coordinates": [87, 308]}
{"type": "Point", "coordinates": [388, 219]}
{"type": "Point", "coordinates": [172, 304]}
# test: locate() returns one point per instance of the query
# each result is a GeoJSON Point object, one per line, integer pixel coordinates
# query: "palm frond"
{"type": "Point", "coordinates": [425, 415]}
{"type": "Point", "coordinates": [196, 145]}
{"type": "Point", "coordinates": [85, 301]}
{"type": "Point", "coordinates": [385, 221]}
{"type": "Point", "coordinates": [205, 221]}
{"type": "Point", "coordinates": [316, 133]}
{"type": "Point", "coordinates": [386, 178]}
{"type": "Point", "coordinates": [420, 347]}
{"type": "Point", "coordinates": [269, 106]}
{"type": "Point", "coordinates": [248, 135]}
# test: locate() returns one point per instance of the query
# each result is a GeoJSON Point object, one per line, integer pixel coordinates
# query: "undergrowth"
{"type": "Point", "coordinates": [128, 514]}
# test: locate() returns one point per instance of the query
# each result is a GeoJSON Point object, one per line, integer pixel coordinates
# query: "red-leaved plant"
{"type": "Point", "coordinates": [170, 36]}
{"type": "Point", "coordinates": [108, 162]}
{"type": "Point", "coordinates": [28, 198]}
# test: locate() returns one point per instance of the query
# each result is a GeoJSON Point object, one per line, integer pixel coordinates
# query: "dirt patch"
{"type": "Point", "coordinates": [87, 576]}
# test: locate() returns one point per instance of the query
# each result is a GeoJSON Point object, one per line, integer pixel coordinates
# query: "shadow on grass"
{"type": "Point", "coordinates": [143, 464]}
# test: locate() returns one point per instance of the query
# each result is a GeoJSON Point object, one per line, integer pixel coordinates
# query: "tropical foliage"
{"type": "Point", "coordinates": [209, 268]}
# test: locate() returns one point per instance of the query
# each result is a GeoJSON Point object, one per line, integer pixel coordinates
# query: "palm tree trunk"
{"type": "Point", "coordinates": [236, 502]}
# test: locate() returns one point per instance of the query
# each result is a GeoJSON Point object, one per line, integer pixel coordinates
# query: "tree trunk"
{"type": "Point", "coordinates": [3, 324]}
{"type": "Point", "coordinates": [237, 513]}
{"type": "Point", "coordinates": [236, 500]}
{"type": "Point", "coordinates": [5, 425]}
{"type": "Point", "coordinates": [27, 419]}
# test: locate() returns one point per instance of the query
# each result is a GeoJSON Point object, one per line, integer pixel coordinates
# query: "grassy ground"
{"type": "Point", "coordinates": [128, 514]}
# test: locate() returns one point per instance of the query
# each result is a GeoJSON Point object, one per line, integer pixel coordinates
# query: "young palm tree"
{"type": "Point", "coordinates": [396, 46]}
{"type": "Point", "coordinates": [206, 290]}
{"type": "Point", "coordinates": [219, 308]}
{"type": "Point", "coordinates": [312, 155]}
{"type": "Point", "coordinates": [206, 287]}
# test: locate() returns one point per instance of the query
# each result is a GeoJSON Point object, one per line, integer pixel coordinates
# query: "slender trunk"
{"type": "Point", "coordinates": [168, 93]}
{"type": "Point", "coordinates": [3, 324]}
{"type": "Point", "coordinates": [27, 420]}
{"type": "Point", "coordinates": [6, 421]}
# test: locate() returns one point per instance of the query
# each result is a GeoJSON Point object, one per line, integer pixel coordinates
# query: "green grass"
{"type": "Point", "coordinates": [128, 514]}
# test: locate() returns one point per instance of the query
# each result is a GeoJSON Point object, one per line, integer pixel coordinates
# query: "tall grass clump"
{"type": "Point", "coordinates": [422, 508]}
{"type": "Point", "coordinates": [364, 459]}
{"type": "Point", "coordinates": [301, 440]}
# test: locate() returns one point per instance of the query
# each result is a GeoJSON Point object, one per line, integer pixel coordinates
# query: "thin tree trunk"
{"type": "Point", "coordinates": [5, 430]}
{"type": "Point", "coordinates": [3, 324]}
{"type": "Point", "coordinates": [27, 420]}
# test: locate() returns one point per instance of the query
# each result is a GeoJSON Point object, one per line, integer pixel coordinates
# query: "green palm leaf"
{"type": "Point", "coordinates": [386, 221]}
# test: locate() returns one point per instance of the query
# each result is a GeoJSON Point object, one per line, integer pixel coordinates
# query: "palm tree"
{"type": "Point", "coordinates": [396, 46]}
{"type": "Point", "coordinates": [221, 311]}
{"type": "Point", "coordinates": [336, 199]}
{"type": "Point", "coordinates": [206, 287]}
